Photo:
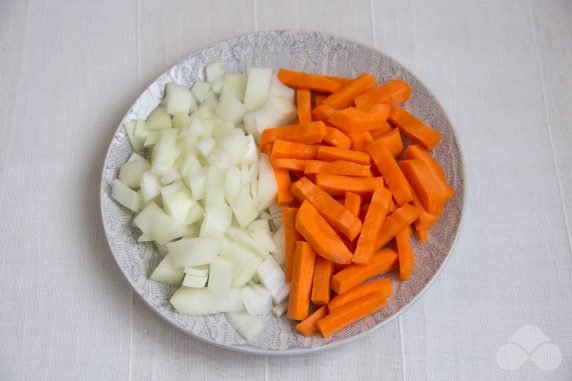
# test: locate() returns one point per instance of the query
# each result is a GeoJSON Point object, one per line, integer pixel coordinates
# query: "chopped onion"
{"type": "Point", "coordinates": [205, 147]}
{"type": "Point", "coordinates": [197, 270]}
{"type": "Point", "coordinates": [126, 196]}
{"type": "Point", "coordinates": [194, 281]}
{"type": "Point", "coordinates": [158, 119]}
{"type": "Point", "coordinates": [272, 277]}
{"type": "Point", "coordinates": [217, 220]}
{"type": "Point", "coordinates": [220, 276]}
{"type": "Point", "coordinates": [257, 87]}
{"type": "Point", "coordinates": [201, 90]}
{"type": "Point", "coordinates": [267, 187]}
{"type": "Point", "coordinates": [256, 301]}
{"type": "Point", "coordinates": [197, 181]}
{"type": "Point", "coordinates": [166, 228]}
{"type": "Point", "coordinates": [280, 309]}
{"type": "Point", "coordinates": [278, 89]}
{"type": "Point", "coordinates": [135, 130]}
{"type": "Point", "coordinates": [232, 185]}
{"type": "Point", "coordinates": [247, 325]}
{"type": "Point", "coordinates": [179, 203]}
{"type": "Point", "coordinates": [215, 186]}
{"type": "Point", "coordinates": [230, 109]}
{"type": "Point", "coordinates": [235, 85]}
{"type": "Point", "coordinates": [278, 239]}
{"type": "Point", "coordinates": [243, 238]}
{"type": "Point", "coordinates": [146, 218]}
{"type": "Point", "coordinates": [245, 209]}
{"type": "Point", "coordinates": [189, 252]}
{"type": "Point", "coordinates": [178, 99]}
{"type": "Point", "coordinates": [200, 301]}
{"type": "Point", "coordinates": [131, 172]}
{"type": "Point", "coordinates": [166, 272]}
{"type": "Point", "coordinates": [244, 264]}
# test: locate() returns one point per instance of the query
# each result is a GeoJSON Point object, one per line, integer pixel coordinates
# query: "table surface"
{"type": "Point", "coordinates": [501, 68]}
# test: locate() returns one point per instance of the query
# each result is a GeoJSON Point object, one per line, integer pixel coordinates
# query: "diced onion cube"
{"type": "Point", "coordinates": [257, 87]}
{"type": "Point", "coordinates": [230, 109]}
{"type": "Point", "coordinates": [235, 84]}
{"type": "Point", "coordinates": [178, 99]}
{"type": "Point", "coordinates": [220, 277]}
{"type": "Point", "coordinates": [214, 70]}
{"type": "Point", "coordinates": [126, 196]}
{"type": "Point", "coordinates": [201, 90]}
{"type": "Point", "coordinates": [158, 119]}
{"type": "Point", "coordinates": [247, 325]}
{"type": "Point", "coordinates": [194, 281]}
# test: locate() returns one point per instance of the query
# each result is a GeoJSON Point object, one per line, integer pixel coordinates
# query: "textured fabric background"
{"type": "Point", "coordinates": [70, 70]}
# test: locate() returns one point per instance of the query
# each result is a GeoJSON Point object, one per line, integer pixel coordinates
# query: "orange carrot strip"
{"type": "Point", "coordinates": [381, 262]}
{"type": "Point", "coordinates": [352, 312]}
{"type": "Point", "coordinates": [289, 164]}
{"type": "Point", "coordinates": [316, 230]}
{"type": "Point", "coordinates": [304, 103]}
{"type": "Point", "coordinates": [307, 133]}
{"type": "Point", "coordinates": [345, 95]}
{"type": "Point", "coordinates": [358, 119]}
{"type": "Point", "coordinates": [323, 271]}
{"type": "Point", "coordinates": [396, 222]}
{"type": "Point", "coordinates": [284, 196]}
{"type": "Point", "coordinates": [334, 153]}
{"type": "Point", "coordinates": [392, 206]}
{"type": "Point", "coordinates": [353, 203]}
{"type": "Point", "coordinates": [416, 152]}
{"type": "Point", "coordinates": [319, 99]}
{"type": "Point", "coordinates": [423, 235]}
{"type": "Point", "coordinates": [372, 224]}
{"type": "Point", "coordinates": [339, 167]}
{"type": "Point", "coordinates": [301, 284]}
{"type": "Point", "coordinates": [360, 140]}
{"type": "Point", "coordinates": [308, 327]}
{"type": "Point", "coordinates": [338, 185]}
{"type": "Point", "coordinates": [332, 211]}
{"type": "Point", "coordinates": [392, 92]}
{"type": "Point", "coordinates": [283, 149]}
{"type": "Point", "coordinates": [337, 138]}
{"type": "Point", "coordinates": [382, 131]}
{"type": "Point", "coordinates": [406, 258]}
{"type": "Point", "coordinates": [291, 235]}
{"type": "Point", "coordinates": [414, 129]}
{"type": "Point", "coordinates": [341, 80]}
{"type": "Point", "coordinates": [395, 179]}
{"type": "Point", "coordinates": [381, 285]}
{"type": "Point", "coordinates": [314, 82]}
{"type": "Point", "coordinates": [430, 192]}
{"type": "Point", "coordinates": [425, 220]}
{"type": "Point", "coordinates": [392, 141]}
{"type": "Point", "coordinates": [323, 111]}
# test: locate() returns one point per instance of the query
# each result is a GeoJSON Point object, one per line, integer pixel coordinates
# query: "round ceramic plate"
{"type": "Point", "coordinates": [298, 50]}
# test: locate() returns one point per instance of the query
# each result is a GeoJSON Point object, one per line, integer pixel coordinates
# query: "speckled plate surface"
{"type": "Point", "coordinates": [299, 50]}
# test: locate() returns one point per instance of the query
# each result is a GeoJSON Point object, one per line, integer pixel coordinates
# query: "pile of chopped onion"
{"type": "Point", "coordinates": [204, 194]}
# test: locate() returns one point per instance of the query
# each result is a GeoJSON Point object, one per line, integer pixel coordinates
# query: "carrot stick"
{"type": "Point", "coordinates": [353, 203]}
{"type": "Point", "coordinates": [304, 103]}
{"type": "Point", "coordinates": [396, 222]}
{"type": "Point", "coordinates": [314, 82]}
{"type": "Point", "coordinates": [283, 149]}
{"type": "Point", "coordinates": [345, 95]}
{"type": "Point", "coordinates": [316, 230]}
{"type": "Point", "coordinates": [406, 258]}
{"type": "Point", "coordinates": [360, 140]}
{"type": "Point", "coordinates": [284, 196]}
{"type": "Point", "coordinates": [381, 262]}
{"type": "Point", "coordinates": [417, 152]}
{"type": "Point", "coordinates": [307, 133]}
{"type": "Point", "coordinates": [308, 327]}
{"type": "Point", "coordinates": [301, 284]}
{"type": "Point", "coordinates": [392, 92]}
{"type": "Point", "coordinates": [289, 164]}
{"type": "Point", "coordinates": [382, 131]}
{"type": "Point", "coordinates": [323, 271]}
{"type": "Point", "coordinates": [381, 285]}
{"type": "Point", "coordinates": [332, 211]}
{"type": "Point", "coordinates": [291, 236]}
{"type": "Point", "coordinates": [341, 80]}
{"type": "Point", "coordinates": [352, 312]}
{"type": "Point", "coordinates": [340, 167]}
{"type": "Point", "coordinates": [323, 111]}
{"type": "Point", "coordinates": [338, 185]}
{"type": "Point", "coordinates": [334, 153]}
{"type": "Point", "coordinates": [372, 224]}
{"type": "Point", "coordinates": [414, 129]}
{"type": "Point", "coordinates": [357, 119]}
{"type": "Point", "coordinates": [425, 220]}
{"type": "Point", "coordinates": [392, 206]}
{"type": "Point", "coordinates": [423, 235]}
{"type": "Point", "coordinates": [337, 138]}
{"type": "Point", "coordinates": [430, 192]}
{"type": "Point", "coordinates": [319, 99]}
{"type": "Point", "coordinates": [392, 141]}
{"type": "Point", "coordinates": [394, 178]}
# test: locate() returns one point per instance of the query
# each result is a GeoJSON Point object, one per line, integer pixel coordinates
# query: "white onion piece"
{"type": "Point", "coordinates": [197, 270]}
{"type": "Point", "coordinates": [251, 155]}
{"type": "Point", "coordinates": [217, 220]}
{"type": "Point", "coordinates": [151, 139]}
{"type": "Point", "coordinates": [254, 122]}
{"type": "Point", "coordinates": [179, 203]}
{"type": "Point", "coordinates": [194, 281]}
{"type": "Point", "coordinates": [205, 147]}
{"type": "Point", "coordinates": [256, 302]}
{"type": "Point", "coordinates": [278, 89]}
{"type": "Point", "coordinates": [146, 218]}
{"type": "Point", "coordinates": [281, 295]}
{"type": "Point", "coordinates": [214, 70]}
{"type": "Point", "coordinates": [247, 325]}
{"type": "Point", "coordinates": [236, 144]}
{"type": "Point", "coordinates": [170, 176]}
{"type": "Point", "coordinates": [260, 223]}
{"type": "Point", "coordinates": [280, 309]}
{"type": "Point", "coordinates": [215, 186]}
{"type": "Point", "coordinates": [158, 119]}
{"type": "Point", "coordinates": [220, 277]}
{"type": "Point", "coordinates": [165, 152]}
{"type": "Point", "coordinates": [200, 301]}
{"type": "Point", "coordinates": [264, 238]}
{"type": "Point", "coordinates": [220, 158]}
{"type": "Point", "coordinates": [135, 130]}
{"type": "Point", "coordinates": [278, 239]}
{"type": "Point", "coordinates": [244, 264]}
{"type": "Point", "coordinates": [243, 238]}
{"type": "Point", "coordinates": [267, 187]}
{"type": "Point", "coordinates": [257, 87]}
{"type": "Point", "coordinates": [221, 128]}
{"type": "Point", "coordinates": [232, 185]}
{"type": "Point", "coordinates": [126, 196]}
{"type": "Point", "coordinates": [166, 228]}
{"type": "Point", "coordinates": [178, 99]}
{"type": "Point", "coordinates": [217, 85]}
{"type": "Point", "coordinates": [189, 164]}
{"type": "Point", "coordinates": [235, 85]}
{"type": "Point", "coordinates": [197, 181]}
{"type": "Point", "coordinates": [132, 171]}
{"type": "Point", "coordinates": [272, 277]}
{"type": "Point", "coordinates": [230, 109]}
{"type": "Point", "coordinates": [189, 252]}
{"type": "Point", "coordinates": [166, 272]}
{"type": "Point", "coordinates": [201, 90]}
{"type": "Point", "coordinates": [181, 121]}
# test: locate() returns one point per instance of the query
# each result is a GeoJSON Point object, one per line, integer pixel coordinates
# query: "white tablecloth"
{"type": "Point", "coordinates": [69, 71]}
